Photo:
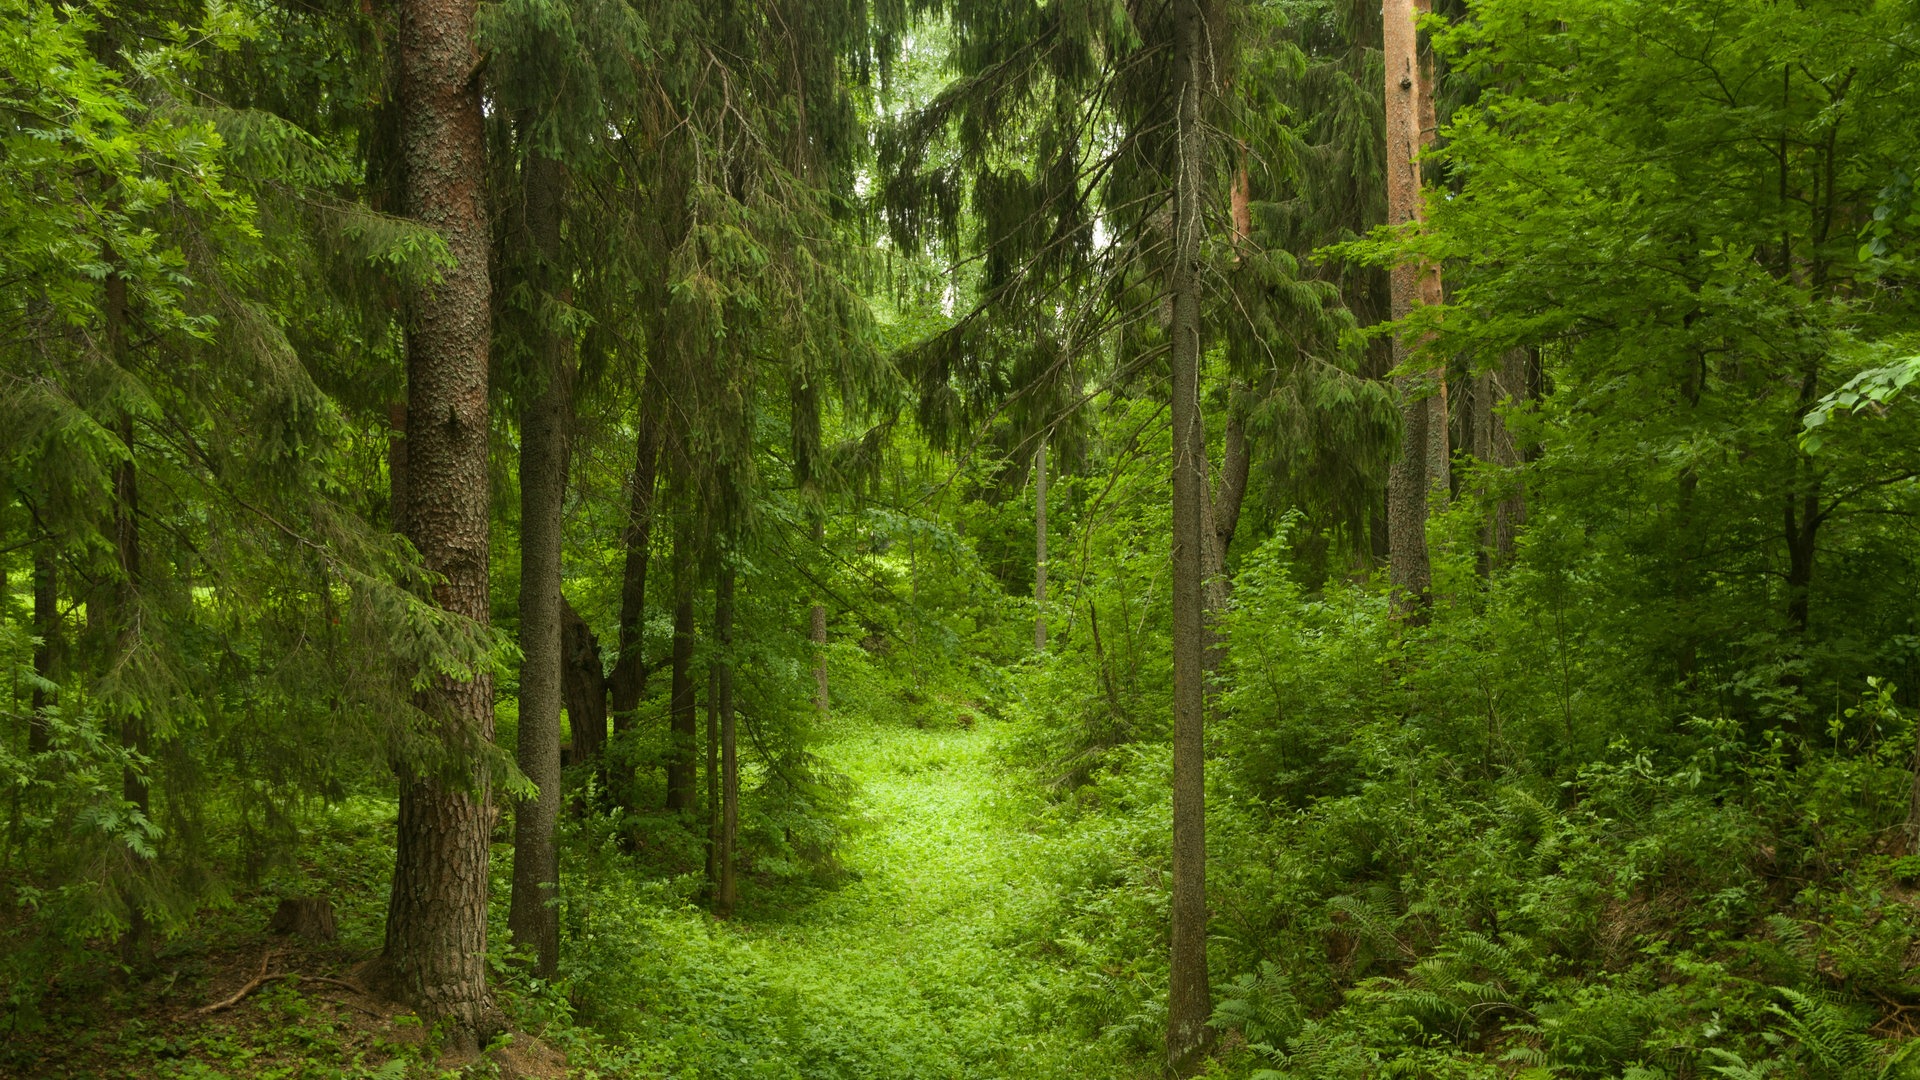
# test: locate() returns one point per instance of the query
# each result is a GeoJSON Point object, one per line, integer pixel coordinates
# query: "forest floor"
{"type": "Point", "coordinates": [931, 937]}
{"type": "Point", "coordinates": [922, 962]}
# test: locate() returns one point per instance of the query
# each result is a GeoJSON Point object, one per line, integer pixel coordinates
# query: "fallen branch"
{"type": "Point", "coordinates": [240, 994]}
{"type": "Point", "coordinates": [341, 983]}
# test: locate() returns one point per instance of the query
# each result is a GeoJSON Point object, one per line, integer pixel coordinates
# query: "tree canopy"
{"type": "Point", "coordinates": [1269, 539]}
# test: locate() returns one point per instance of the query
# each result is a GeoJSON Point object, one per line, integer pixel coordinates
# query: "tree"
{"type": "Point", "coordinates": [545, 426]}
{"type": "Point", "coordinates": [683, 706]}
{"type": "Point", "coordinates": [1189, 1003]}
{"type": "Point", "coordinates": [1040, 549]}
{"type": "Point", "coordinates": [436, 937]}
{"type": "Point", "coordinates": [726, 891]}
{"type": "Point", "coordinates": [1419, 474]}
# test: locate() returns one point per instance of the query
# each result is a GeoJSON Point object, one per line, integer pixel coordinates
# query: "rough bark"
{"type": "Point", "coordinates": [436, 936]}
{"type": "Point", "coordinates": [546, 420]}
{"type": "Point", "coordinates": [628, 680]}
{"type": "Point", "coordinates": [309, 917]}
{"type": "Point", "coordinates": [1420, 472]}
{"type": "Point", "coordinates": [583, 684]}
{"type": "Point", "coordinates": [1040, 550]}
{"type": "Point", "coordinates": [728, 893]}
{"type": "Point", "coordinates": [683, 707]}
{"type": "Point", "coordinates": [1189, 1003]}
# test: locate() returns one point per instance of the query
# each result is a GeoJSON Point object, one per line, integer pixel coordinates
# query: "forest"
{"type": "Point", "coordinates": [960, 539]}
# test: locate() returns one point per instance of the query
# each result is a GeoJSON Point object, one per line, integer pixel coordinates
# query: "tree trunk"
{"type": "Point", "coordinates": [546, 420]}
{"type": "Point", "coordinates": [1913, 799]}
{"type": "Point", "coordinates": [1493, 443]}
{"type": "Point", "coordinates": [817, 630]}
{"type": "Point", "coordinates": [1802, 532]}
{"type": "Point", "coordinates": [1235, 464]}
{"type": "Point", "coordinates": [1803, 517]}
{"type": "Point", "coordinates": [1040, 550]}
{"type": "Point", "coordinates": [1420, 471]}
{"type": "Point", "coordinates": [727, 894]}
{"type": "Point", "coordinates": [436, 939]}
{"type": "Point", "coordinates": [583, 684]}
{"type": "Point", "coordinates": [684, 709]}
{"type": "Point", "coordinates": [629, 678]}
{"type": "Point", "coordinates": [135, 785]}
{"type": "Point", "coordinates": [1222, 520]}
{"type": "Point", "coordinates": [120, 610]}
{"type": "Point", "coordinates": [1189, 1002]}
{"type": "Point", "coordinates": [46, 623]}
{"type": "Point", "coordinates": [713, 766]}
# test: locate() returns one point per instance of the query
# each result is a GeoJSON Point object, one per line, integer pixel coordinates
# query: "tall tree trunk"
{"type": "Point", "coordinates": [436, 939]}
{"type": "Point", "coordinates": [727, 894]}
{"type": "Point", "coordinates": [817, 630]}
{"type": "Point", "coordinates": [46, 624]}
{"type": "Point", "coordinates": [1040, 549]}
{"type": "Point", "coordinates": [1494, 444]}
{"type": "Point", "coordinates": [1802, 531]}
{"type": "Point", "coordinates": [629, 678]}
{"type": "Point", "coordinates": [121, 612]}
{"type": "Point", "coordinates": [1802, 515]}
{"type": "Point", "coordinates": [1222, 521]}
{"type": "Point", "coordinates": [1912, 829]}
{"type": "Point", "coordinates": [713, 766]}
{"type": "Point", "coordinates": [683, 707]}
{"type": "Point", "coordinates": [1189, 1003]}
{"type": "Point", "coordinates": [583, 684]}
{"type": "Point", "coordinates": [546, 420]}
{"type": "Point", "coordinates": [1420, 472]}
{"type": "Point", "coordinates": [135, 785]}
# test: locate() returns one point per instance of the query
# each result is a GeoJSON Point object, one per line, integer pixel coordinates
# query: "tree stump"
{"type": "Point", "coordinates": [305, 916]}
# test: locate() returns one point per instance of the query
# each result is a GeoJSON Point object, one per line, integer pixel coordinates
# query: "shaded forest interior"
{"type": "Point", "coordinates": [817, 540]}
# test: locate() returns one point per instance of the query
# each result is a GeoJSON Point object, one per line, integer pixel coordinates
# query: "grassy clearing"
{"type": "Point", "coordinates": [922, 963]}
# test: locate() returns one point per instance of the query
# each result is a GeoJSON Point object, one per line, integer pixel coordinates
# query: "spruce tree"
{"type": "Point", "coordinates": [436, 935]}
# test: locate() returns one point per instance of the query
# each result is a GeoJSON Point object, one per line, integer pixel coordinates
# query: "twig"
{"type": "Point", "coordinates": [241, 994]}
{"type": "Point", "coordinates": [342, 983]}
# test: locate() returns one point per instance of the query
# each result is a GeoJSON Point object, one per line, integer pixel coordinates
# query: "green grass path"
{"type": "Point", "coordinates": [922, 960]}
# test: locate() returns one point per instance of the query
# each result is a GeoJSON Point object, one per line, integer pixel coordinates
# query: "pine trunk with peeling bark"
{"type": "Point", "coordinates": [1420, 473]}
{"type": "Point", "coordinates": [546, 421]}
{"type": "Point", "coordinates": [1189, 1002]}
{"type": "Point", "coordinates": [436, 935]}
